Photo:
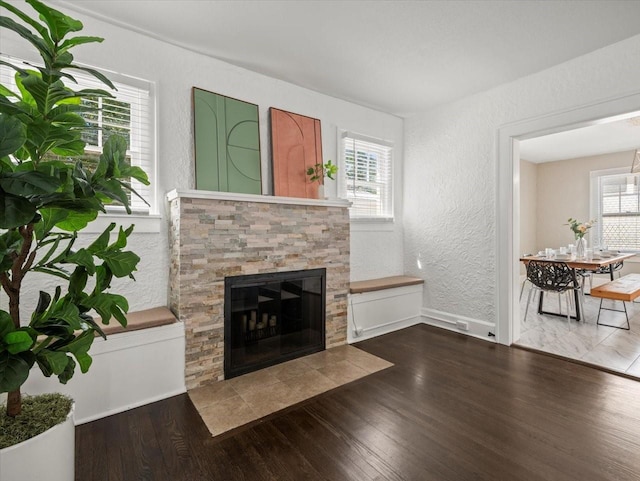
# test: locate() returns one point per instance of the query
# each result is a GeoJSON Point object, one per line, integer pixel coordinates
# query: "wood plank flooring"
{"type": "Point", "coordinates": [452, 408]}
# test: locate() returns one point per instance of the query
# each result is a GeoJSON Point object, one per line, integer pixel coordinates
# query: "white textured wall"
{"type": "Point", "coordinates": [175, 71]}
{"type": "Point", "coordinates": [451, 164]}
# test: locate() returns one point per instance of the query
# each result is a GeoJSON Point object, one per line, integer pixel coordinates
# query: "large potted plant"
{"type": "Point", "coordinates": [47, 196]}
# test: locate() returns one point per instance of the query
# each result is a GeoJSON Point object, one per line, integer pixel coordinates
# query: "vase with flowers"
{"type": "Point", "coordinates": [579, 230]}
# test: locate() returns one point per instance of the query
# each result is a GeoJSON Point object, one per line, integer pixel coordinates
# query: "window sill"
{"type": "Point", "coordinates": [143, 223]}
{"type": "Point", "coordinates": [364, 224]}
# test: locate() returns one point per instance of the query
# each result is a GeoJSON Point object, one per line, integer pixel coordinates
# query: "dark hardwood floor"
{"type": "Point", "coordinates": [452, 408]}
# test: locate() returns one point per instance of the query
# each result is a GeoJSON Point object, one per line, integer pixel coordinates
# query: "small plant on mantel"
{"type": "Point", "coordinates": [318, 172]}
{"type": "Point", "coordinates": [47, 197]}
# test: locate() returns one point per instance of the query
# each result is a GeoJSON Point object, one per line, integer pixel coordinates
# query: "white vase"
{"type": "Point", "coordinates": [321, 191]}
{"type": "Point", "coordinates": [53, 450]}
{"type": "Point", "coordinates": [581, 247]}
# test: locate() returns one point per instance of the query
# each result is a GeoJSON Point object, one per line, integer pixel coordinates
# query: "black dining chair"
{"type": "Point", "coordinates": [555, 277]}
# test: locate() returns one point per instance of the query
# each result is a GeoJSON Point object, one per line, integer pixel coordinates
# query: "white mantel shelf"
{"type": "Point", "coordinates": [269, 199]}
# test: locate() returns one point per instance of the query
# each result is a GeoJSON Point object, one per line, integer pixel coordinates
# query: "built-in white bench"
{"type": "Point", "coordinates": [134, 366]}
{"type": "Point", "coordinates": [379, 306]}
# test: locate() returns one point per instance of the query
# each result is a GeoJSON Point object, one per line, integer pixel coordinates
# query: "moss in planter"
{"type": "Point", "coordinates": [39, 413]}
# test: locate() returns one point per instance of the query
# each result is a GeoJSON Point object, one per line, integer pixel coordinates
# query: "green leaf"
{"type": "Point", "coordinates": [102, 305]}
{"type": "Point", "coordinates": [69, 149]}
{"type": "Point", "coordinates": [38, 43]}
{"type": "Point", "coordinates": [17, 341]}
{"type": "Point", "coordinates": [44, 300]}
{"type": "Point", "coordinates": [115, 152]}
{"type": "Point", "coordinates": [45, 94]}
{"type": "Point", "coordinates": [68, 120]}
{"type": "Point", "coordinates": [15, 211]}
{"type": "Point", "coordinates": [96, 74]}
{"type": "Point", "coordinates": [74, 41]}
{"type": "Point", "coordinates": [103, 278]}
{"type": "Point", "coordinates": [121, 264]}
{"type": "Point", "coordinates": [50, 217]}
{"type": "Point", "coordinates": [93, 325]}
{"type": "Point", "coordinates": [68, 371]}
{"type": "Point", "coordinates": [79, 347]}
{"type": "Point", "coordinates": [4, 90]}
{"type": "Point", "coordinates": [13, 134]}
{"type": "Point", "coordinates": [102, 241]}
{"type": "Point", "coordinates": [119, 308]}
{"type": "Point", "coordinates": [112, 188]}
{"type": "Point", "coordinates": [59, 24]}
{"type": "Point", "coordinates": [52, 362]}
{"type": "Point", "coordinates": [53, 272]}
{"type": "Point", "coordinates": [28, 183]}
{"type": "Point", "coordinates": [10, 243]}
{"type": "Point", "coordinates": [14, 371]}
{"type": "Point", "coordinates": [121, 241]}
{"type": "Point", "coordinates": [77, 283]}
{"type": "Point", "coordinates": [76, 221]}
{"type": "Point", "coordinates": [68, 312]}
{"type": "Point", "coordinates": [6, 323]}
{"type": "Point", "coordinates": [83, 258]}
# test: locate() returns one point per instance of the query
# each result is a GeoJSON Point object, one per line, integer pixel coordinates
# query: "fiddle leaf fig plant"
{"type": "Point", "coordinates": [47, 196]}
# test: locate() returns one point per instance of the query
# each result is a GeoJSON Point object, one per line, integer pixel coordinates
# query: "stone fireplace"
{"type": "Point", "coordinates": [216, 235]}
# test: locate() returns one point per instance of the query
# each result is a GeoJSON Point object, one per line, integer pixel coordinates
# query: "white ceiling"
{"type": "Point", "coordinates": [399, 57]}
{"type": "Point", "coordinates": [602, 138]}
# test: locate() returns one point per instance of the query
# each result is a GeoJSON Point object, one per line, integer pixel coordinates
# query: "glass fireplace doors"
{"type": "Point", "coordinates": [272, 318]}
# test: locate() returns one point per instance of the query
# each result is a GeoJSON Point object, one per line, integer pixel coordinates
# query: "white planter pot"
{"type": "Point", "coordinates": [50, 455]}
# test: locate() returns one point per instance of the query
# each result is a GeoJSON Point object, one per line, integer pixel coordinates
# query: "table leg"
{"type": "Point", "coordinates": [611, 270]}
{"type": "Point", "coordinates": [576, 296]}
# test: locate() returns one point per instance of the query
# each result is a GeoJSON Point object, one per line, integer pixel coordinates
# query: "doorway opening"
{"type": "Point", "coordinates": [509, 190]}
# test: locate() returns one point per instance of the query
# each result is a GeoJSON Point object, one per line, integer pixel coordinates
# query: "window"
{"type": "Point", "coordinates": [366, 176]}
{"type": "Point", "coordinates": [615, 204]}
{"type": "Point", "coordinates": [130, 114]}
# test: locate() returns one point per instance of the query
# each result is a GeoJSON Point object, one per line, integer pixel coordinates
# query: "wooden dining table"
{"type": "Point", "coordinates": [577, 264]}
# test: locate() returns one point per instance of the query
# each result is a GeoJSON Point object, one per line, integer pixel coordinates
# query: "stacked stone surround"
{"type": "Point", "coordinates": [215, 235]}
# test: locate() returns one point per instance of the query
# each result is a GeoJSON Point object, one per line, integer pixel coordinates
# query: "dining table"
{"type": "Point", "coordinates": [597, 262]}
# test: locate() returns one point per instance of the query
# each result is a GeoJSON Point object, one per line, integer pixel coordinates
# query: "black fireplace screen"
{"type": "Point", "coordinates": [272, 318]}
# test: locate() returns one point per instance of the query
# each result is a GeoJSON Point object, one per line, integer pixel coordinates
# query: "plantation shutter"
{"type": "Point", "coordinates": [367, 176]}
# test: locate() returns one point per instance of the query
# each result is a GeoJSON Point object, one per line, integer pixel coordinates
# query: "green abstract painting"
{"type": "Point", "coordinates": [227, 143]}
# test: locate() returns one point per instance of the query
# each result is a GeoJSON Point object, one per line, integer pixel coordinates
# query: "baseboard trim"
{"type": "Point", "coordinates": [137, 404]}
{"type": "Point", "coordinates": [385, 328]}
{"type": "Point", "coordinates": [446, 320]}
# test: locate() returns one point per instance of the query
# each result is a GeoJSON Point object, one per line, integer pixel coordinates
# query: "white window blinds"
{"type": "Point", "coordinates": [130, 114]}
{"type": "Point", "coordinates": [617, 200]}
{"type": "Point", "coordinates": [366, 176]}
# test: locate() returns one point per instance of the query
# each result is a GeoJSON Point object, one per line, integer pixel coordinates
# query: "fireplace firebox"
{"type": "Point", "coordinates": [272, 318]}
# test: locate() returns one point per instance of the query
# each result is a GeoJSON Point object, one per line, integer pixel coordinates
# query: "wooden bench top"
{"type": "Point", "coordinates": [626, 288]}
{"type": "Point", "coordinates": [154, 317]}
{"type": "Point", "coordinates": [370, 285]}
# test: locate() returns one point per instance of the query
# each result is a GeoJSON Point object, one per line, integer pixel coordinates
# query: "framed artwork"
{"type": "Point", "coordinates": [296, 145]}
{"type": "Point", "coordinates": [227, 143]}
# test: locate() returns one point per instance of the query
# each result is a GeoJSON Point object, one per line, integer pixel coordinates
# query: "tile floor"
{"type": "Point", "coordinates": [229, 404]}
{"type": "Point", "coordinates": [609, 347]}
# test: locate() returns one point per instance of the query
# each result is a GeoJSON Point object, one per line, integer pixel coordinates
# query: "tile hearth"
{"type": "Point", "coordinates": [229, 404]}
